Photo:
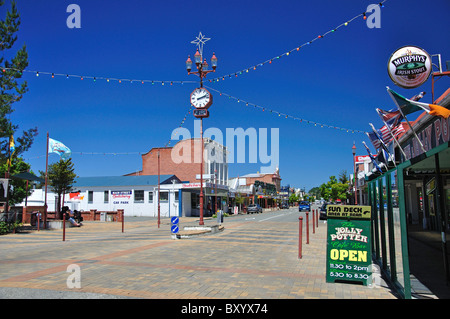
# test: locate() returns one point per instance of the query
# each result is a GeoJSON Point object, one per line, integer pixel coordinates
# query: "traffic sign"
{"type": "Point", "coordinates": [174, 220]}
{"type": "Point", "coordinates": [174, 229]}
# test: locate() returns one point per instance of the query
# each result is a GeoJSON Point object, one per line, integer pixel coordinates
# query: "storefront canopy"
{"type": "Point", "coordinates": [28, 176]}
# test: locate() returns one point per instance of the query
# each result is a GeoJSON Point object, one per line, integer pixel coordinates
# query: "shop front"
{"type": "Point", "coordinates": [411, 205]}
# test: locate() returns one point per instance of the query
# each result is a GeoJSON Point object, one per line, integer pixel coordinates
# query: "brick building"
{"type": "Point", "coordinates": [184, 161]}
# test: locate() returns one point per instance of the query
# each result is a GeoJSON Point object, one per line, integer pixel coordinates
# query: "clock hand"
{"type": "Point", "coordinates": [201, 97]}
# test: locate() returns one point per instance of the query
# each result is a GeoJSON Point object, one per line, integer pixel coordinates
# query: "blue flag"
{"type": "Point", "coordinates": [57, 147]}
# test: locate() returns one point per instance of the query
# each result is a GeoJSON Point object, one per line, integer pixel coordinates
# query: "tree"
{"type": "Point", "coordinates": [334, 190]}
{"type": "Point", "coordinates": [61, 178]}
{"type": "Point", "coordinates": [293, 198]}
{"type": "Point", "coordinates": [11, 91]}
{"type": "Point", "coordinates": [18, 187]}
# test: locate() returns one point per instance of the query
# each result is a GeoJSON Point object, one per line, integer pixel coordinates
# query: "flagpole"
{"type": "Point", "coordinates": [45, 201]}
{"type": "Point", "coordinates": [409, 124]}
{"type": "Point", "coordinates": [390, 131]}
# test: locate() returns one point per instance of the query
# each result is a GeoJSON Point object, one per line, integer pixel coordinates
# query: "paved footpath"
{"type": "Point", "coordinates": [245, 260]}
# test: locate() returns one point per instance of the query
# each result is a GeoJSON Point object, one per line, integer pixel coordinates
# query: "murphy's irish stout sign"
{"type": "Point", "coordinates": [409, 67]}
{"type": "Point", "coordinates": [348, 244]}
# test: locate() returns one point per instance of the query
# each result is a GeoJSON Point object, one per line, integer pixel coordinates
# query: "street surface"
{"type": "Point", "coordinates": [255, 256]}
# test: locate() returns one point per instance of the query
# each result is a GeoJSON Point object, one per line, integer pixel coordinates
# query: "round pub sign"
{"type": "Point", "coordinates": [409, 67]}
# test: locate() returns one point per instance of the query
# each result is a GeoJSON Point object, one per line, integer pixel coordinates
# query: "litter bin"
{"type": "Point", "coordinates": [220, 216]}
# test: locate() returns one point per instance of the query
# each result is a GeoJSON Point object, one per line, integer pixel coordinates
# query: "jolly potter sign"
{"type": "Point", "coordinates": [348, 244]}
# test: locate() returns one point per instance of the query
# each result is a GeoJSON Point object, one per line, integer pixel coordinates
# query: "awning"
{"type": "Point", "coordinates": [28, 176]}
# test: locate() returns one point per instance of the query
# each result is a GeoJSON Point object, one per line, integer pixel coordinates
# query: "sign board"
{"type": "Point", "coordinates": [174, 227]}
{"type": "Point", "coordinates": [409, 67]}
{"type": "Point", "coordinates": [121, 197]}
{"type": "Point", "coordinates": [201, 113]}
{"type": "Point", "coordinates": [362, 158]}
{"type": "Point", "coordinates": [348, 244]}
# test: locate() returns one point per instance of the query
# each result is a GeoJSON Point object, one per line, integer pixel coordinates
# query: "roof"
{"type": "Point", "coordinates": [28, 176]}
{"type": "Point", "coordinates": [140, 180]}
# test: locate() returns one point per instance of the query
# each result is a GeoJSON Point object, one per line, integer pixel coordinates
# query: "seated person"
{"type": "Point", "coordinates": [77, 216]}
{"type": "Point", "coordinates": [68, 215]}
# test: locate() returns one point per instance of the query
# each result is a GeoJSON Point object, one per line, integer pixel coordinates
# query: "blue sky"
{"type": "Point", "coordinates": [338, 80]}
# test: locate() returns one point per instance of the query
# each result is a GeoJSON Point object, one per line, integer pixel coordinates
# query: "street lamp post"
{"type": "Point", "coordinates": [354, 172]}
{"type": "Point", "coordinates": [201, 99]}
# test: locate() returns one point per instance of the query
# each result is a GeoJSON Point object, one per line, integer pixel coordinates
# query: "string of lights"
{"type": "Point", "coordinates": [125, 153]}
{"type": "Point", "coordinates": [96, 78]}
{"type": "Point", "coordinates": [172, 82]}
{"type": "Point", "coordinates": [280, 114]}
{"type": "Point", "coordinates": [296, 49]}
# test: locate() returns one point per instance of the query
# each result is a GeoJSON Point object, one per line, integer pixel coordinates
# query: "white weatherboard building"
{"type": "Point", "coordinates": [136, 195]}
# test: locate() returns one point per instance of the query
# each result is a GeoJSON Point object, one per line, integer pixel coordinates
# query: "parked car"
{"type": "Point", "coordinates": [303, 205]}
{"type": "Point", "coordinates": [254, 208]}
{"type": "Point", "coordinates": [284, 206]}
{"type": "Point", "coordinates": [323, 212]}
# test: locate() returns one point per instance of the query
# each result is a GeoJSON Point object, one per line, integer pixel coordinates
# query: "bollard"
{"type": "Point", "coordinates": [317, 218]}
{"type": "Point", "coordinates": [123, 217]}
{"type": "Point", "coordinates": [300, 237]}
{"type": "Point", "coordinates": [313, 219]}
{"type": "Point", "coordinates": [307, 227]}
{"type": "Point", "coordinates": [64, 226]}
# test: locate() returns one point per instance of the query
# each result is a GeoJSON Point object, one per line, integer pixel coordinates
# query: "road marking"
{"type": "Point", "coordinates": [273, 217]}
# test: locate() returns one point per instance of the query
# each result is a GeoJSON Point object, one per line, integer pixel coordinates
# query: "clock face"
{"type": "Point", "coordinates": [201, 98]}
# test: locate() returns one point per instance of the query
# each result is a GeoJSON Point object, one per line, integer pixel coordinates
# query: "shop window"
{"type": "Point", "coordinates": [138, 196]}
{"type": "Point", "coordinates": [164, 197]}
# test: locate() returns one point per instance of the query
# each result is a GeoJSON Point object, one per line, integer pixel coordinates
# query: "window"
{"type": "Point", "coordinates": [150, 197]}
{"type": "Point", "coordinates": [164, 197]}
{"type": "Point", "coordinates": [138, 196]}
{"type": "Point", "coordinates": [90, 197]}
{"type": "Point", "coordinates": [176, 196]}
{"type": "Point", "coordinates": [106, 197]}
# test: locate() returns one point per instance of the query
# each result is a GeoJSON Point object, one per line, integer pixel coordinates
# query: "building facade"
{"type": "Point", "coordinates": [411, 206]}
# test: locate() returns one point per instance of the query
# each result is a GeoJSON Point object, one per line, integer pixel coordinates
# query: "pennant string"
{"type": "Point", "coordinates": [280, 114]}
{"type": "Point", "coordinates": [287, 53]}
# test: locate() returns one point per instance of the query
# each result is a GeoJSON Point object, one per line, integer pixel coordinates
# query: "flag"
{"type": "Point", "coordinates": [380, 138]}
{"type": "Point", "coordinates": [373, 137]}
{"type": "Point", "coordinates": [409, 106]}
{"type": "Point", "coordinates": [372, 158]}
{"type": "Point", "coordinates": [391, 118]}
{"type": "Point", "coordinates": [12, 146]}
{"type": "Point", "coordinates": [57, 147]}
{"type": "Point", "coordinates": [12, 149]}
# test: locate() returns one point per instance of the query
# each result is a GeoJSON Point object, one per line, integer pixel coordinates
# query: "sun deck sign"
{"type": "Point", "coordinates": [409, 67]}
{"type": "Point", "coordinates": [348, 244]}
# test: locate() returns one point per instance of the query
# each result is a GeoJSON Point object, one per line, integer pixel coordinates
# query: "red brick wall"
{"type": "Point", "coordinates": [187, 152]}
